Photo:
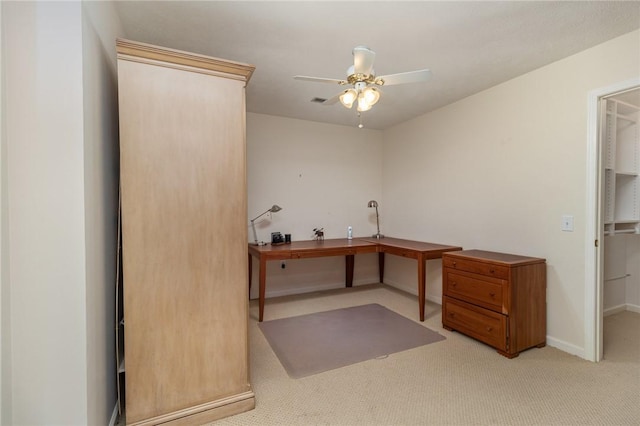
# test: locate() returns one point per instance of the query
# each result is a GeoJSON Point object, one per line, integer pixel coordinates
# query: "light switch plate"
{"type": "Point", "coordinates": [567, 223]}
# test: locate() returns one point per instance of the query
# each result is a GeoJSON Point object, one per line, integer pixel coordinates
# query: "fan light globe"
{"type": "Point", "coordinates": [348, 97]}
{"type": "Point", "coordinates": [363, 105]}
{"type": "Point", "coordinates": [371, 95]}
{"type": "Point", "coordinates": [367, 98]}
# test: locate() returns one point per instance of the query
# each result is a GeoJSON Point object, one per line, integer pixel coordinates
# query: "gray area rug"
{"type": "Point", "coordinates": [313, 343]}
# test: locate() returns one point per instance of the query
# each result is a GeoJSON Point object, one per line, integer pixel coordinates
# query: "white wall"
{"type": "Point", "coordinates": [5, 328]}
{"type": "Point", "coordinates": [59, 190]}
{"type": "Point", "coordinates": [323, 177]}
{"type": "Point", "coordinates": [497, 170]}
{"type": "Point", "coordinates": [46, 212]}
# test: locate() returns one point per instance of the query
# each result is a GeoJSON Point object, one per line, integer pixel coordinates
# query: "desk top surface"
{"type": "Point", "coordinates": [497, 258]}
{"type": "Point", "coordinates": [411, 245]}
{"type": "Point", "coordinates": [343, 243]}
{"type": "Point", "coordinates": [312, 245]}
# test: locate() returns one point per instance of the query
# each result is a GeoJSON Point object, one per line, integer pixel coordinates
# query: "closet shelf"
{"type": "Point", "coordinates": [626, 173]}
{"type": "Point", "coordinates": [623, 117]}
{"type": "Point", "coordinates": [620, 231]}
{"type": "Point", "coordinates": [625, 105]}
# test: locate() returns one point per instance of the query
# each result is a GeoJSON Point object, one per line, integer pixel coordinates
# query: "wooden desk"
{"type": "Point", "coordinates": [418, 250]}
{"type": "Point", "coordinates": [349, 248]}
{"type": "Point", "coordinates": [305, 250]}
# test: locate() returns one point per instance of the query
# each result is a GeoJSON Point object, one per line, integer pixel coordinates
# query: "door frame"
{"type": "Point", "coordinates": [594, 277]}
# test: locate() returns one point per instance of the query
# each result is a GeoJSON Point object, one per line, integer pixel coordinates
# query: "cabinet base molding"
{"type": "Point", "coordinates": [204, 413]}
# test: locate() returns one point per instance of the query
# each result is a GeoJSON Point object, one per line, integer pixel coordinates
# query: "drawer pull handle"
{"type": "Point", "coordinates": [492, 294]}
{"type": "Point", "coordinates": [451, 314]}
{"type": "Point", "coordinates": [454, 264]}
{"type": "Point", "coordinates": [489, 328]}
{"type": "Point", "coordinates": [453, 283]}
{"type": "Point", "coordinates": [493, 271]}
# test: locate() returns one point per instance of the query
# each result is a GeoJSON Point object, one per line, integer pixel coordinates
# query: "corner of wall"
{"type": "Point", "coordinates": [100, 28]}
{"type": "Point", "coordinates": [5, 324]}
{"type": "Point", "coordinates": [6, 412]}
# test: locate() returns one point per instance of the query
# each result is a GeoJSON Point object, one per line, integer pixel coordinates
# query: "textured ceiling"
{"type": "Point", "coordinates": [468, 46]}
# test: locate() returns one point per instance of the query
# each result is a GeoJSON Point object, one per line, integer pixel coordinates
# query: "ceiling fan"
{"type": "Point", "coordinates": [361, 76]}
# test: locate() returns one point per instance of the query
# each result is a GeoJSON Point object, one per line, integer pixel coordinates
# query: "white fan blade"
{"type": "Point", "coordinates": [363, 58]}
{"type": "Point", "coordinates": [319, 80]}
{"type": "Point", "coordinates": [332, 100]}
{"type": "Point", "coordinates": [405, 77]}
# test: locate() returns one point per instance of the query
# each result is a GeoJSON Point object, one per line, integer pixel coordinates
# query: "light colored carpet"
{"type": "Point", "coordinates": [314, 343]}
{"type": "Point", "coordinates": [458, 381]}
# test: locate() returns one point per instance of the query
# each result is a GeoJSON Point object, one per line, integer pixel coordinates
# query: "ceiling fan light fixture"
{"type": "Point", "coordinates": [364, 83]}
{"type": "Point", "coordinates": [371, 95]}
{"type": "Point", "coordinates": [348, 97]}
{"type": "Point", "coordinates": [363, 106]}
{"type": "Point", "coordinates": [368, 98]}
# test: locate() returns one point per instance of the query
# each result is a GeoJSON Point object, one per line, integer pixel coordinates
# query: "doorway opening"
{"type": "Point", "coordinates": [613, 208]}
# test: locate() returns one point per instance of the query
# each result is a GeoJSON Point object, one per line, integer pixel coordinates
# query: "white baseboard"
{"type": "Point", "coordinates": [437, 299]}
{"type": "Point", "coordinates": [621, 308]}
{"type": "Point", "coordinates": [314, 288]}
{"type": "Point", "coordinates": [633, 308]}
{"type": "Point", "coordinates": [406, 289]}
{"type": "Point", "coordinates": [566, 347]}
{"type": "Point", "coordinates": [301, 290]}
{"type": "Point", "coordinates": [614, 310]}
{"type": "Point", "coordinates": [576, 350]}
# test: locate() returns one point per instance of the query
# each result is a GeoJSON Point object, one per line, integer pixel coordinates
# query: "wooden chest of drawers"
{"type": "Point", "coordinates": [497, 298]}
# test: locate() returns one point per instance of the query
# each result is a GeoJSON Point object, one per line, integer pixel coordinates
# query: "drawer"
{"type": "Point", "coordinates": [308, 254]}
{"type": "Point", "coordinates": [397, 251]}
{"type": "Point", "coordinates": [482, 268]}
{"type": "Point", "coordinates": [471, 288]}
{"type": "Point", "coordinates": [482, 324]}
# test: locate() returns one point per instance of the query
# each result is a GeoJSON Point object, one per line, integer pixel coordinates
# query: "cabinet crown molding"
{"type": "Point", "coordinates": [236, 70]}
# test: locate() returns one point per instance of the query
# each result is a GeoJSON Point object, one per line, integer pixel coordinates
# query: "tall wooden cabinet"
{"type": "Point", "coordinates": [184, 235]}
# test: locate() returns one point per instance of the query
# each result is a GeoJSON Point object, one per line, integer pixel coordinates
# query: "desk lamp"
{"type": "Point", "coordinates": [273, 209]}
{"type": "Point", "coordinates": [374, 203]}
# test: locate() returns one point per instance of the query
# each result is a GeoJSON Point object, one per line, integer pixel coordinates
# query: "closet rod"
{"type": "Point", "coordinates": [618, 278]}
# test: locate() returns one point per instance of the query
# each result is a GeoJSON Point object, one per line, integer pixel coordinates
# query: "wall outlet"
{"type": "Point", "coordinates": [567, 223]}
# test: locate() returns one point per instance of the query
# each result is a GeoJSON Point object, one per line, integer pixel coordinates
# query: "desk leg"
{"type": "Point", "coordinates": [421, 285]}
{"type": "Point", "coordinates": [381, 266]}
{"type": "Point", "coordinates": [263, 278]}
{"type": "Point", "coordinates": [349, 262]}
